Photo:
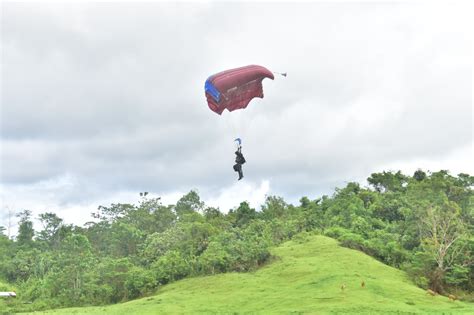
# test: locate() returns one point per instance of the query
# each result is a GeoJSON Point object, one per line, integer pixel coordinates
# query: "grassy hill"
{"type": "Point", "coordinates": [306, 278]}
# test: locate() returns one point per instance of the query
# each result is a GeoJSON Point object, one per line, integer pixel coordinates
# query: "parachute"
{"type": "Point", "coordinates": [234, 89]}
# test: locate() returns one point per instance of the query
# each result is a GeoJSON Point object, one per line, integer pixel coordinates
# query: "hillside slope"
{"type": "Point", "coordinates": [305, 278]}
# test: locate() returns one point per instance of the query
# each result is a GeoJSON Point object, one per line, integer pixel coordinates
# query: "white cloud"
{"type": "Point", "coordinates": [456, 162]}
{"type": "Point", "coordinates": [101, 100]}
{"type": "Point", "coordinates": [230, 197]}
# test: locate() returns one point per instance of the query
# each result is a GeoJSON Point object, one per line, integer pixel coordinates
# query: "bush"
{"type": "Point", "coordinates": [336, 232]}
{"type": "Point", "coordinates": [354, 241]}
{"type": "Point", "coordinates": [170, 267]}
{"type": "Point", "coordinates": [139, 282]}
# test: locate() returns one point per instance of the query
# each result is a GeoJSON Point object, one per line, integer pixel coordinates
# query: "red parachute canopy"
{"type": "Point", "coordinates": [234, 89]}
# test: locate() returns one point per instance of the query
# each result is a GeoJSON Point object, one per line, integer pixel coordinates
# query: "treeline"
{"type": "Point", "coordinates": [422, 224]}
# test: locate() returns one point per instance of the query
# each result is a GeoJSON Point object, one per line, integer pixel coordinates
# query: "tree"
{"type": "Point", "coordinates": [419, 175]}
{"type": "Point", "coordinates": [163, 216]}
{"type": "Point", "coordinates": [389, 206]}
{"type": "Point", "coordinates": [73, 263]}
{"type": "Point", "coordinates": [150, 216]}
{"type": "Point", "coordinates": [244, 214]}
{"type": "Point", "coordinates": [441, 228]}
{"type": "Point", "coordinates": [158, 244]}
{"type": "Point", "coordinates": [125, 239]}
{"type": "Point", "coordinates": [113, 212]}
{"type": "Point", "coordinates": [23, 265]}
{"type": "Point", "coordinates": [312, 213]}
{"type": "Point", "coordinates": [274, 207]}
{"type": "Point", "coordinates": [387, 181]}
{"type": "Point", "coordinates": [170, 267]}
{"type": "Point", "coordinates": [6, 253]}
{"type": "Point", "coordinates": [25, 228]}
{"type": "Point", "coordinates": [189, 204]}
{"type": "Point", "coordinates": [51, 229]}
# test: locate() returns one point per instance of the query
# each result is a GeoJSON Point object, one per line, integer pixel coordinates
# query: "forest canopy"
{"type": "Point", "coordinates": [422, 224]}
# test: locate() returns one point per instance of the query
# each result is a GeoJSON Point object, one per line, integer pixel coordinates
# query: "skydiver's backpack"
{"type": "Point", "coordinates": [240, 158]}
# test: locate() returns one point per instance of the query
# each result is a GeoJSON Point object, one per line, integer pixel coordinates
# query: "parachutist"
{"type": "Point", "coordinates": [239, 160]}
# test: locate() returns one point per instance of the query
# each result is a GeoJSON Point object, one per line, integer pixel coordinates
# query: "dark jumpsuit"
{"type": "Point", "coordinates": [239, 160]}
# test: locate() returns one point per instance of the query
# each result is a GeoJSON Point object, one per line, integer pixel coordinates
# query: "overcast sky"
{"type": "Point", "coordinates": [100, 101]}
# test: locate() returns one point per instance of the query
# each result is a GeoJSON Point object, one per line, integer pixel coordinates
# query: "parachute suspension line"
{"type": "Point", "coordinates": [235, 130]}
{"type": "Point", "coordinates": [232, 122]}
{"type": "Point", "coordinates": [238, 124]}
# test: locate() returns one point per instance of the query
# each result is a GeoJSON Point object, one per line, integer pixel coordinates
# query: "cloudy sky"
{"type": "Point", "coordinates": [100, 101]}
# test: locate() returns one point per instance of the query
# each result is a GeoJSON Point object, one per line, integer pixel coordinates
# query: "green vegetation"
{"type": "Point", "coordinates": [305, 278]}
{"type": "Point", "coordinates": [421, 224]}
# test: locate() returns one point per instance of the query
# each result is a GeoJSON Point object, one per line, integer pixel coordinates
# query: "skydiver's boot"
{"type": "Point", "coordinates": [240, 175]}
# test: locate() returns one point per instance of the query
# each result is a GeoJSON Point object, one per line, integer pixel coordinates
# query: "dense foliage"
{"type": "Point", "coordinates": [423, 224]}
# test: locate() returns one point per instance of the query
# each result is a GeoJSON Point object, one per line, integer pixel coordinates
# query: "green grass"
{"type": "Point", "coordinates": [5, 286]}
{"type": "Point", "coordinates": [5, 302]}
{"type": "Point", "coordinates": [306, 278]}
